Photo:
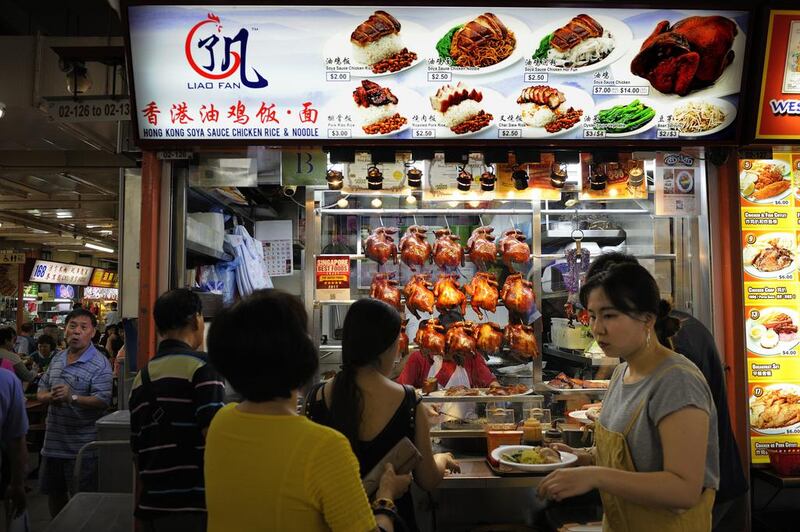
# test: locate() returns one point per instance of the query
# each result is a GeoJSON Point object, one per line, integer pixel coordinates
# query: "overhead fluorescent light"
{"type": "Point", "coordinates": [98, 247]}
{"type": "Point", "coordinates": [106, 232]}
{"type": "Point", "coordinates": [63, 214]}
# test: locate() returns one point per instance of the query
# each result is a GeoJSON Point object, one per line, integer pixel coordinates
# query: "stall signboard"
{"type": "Point", "coordinates": [64, 291]}
{"type": "Point", "coordinates": [770, 220]}
{"type": "Point", "coordinates": [11, 257]}
{"type": "Point", "coordinates": [309, 73]}
{"type": "Point", "coordinates": [45, 271]}
{"type": "Point", "coordinates": [30, 290]}
{"type": "Point", "coordinates": [101, 294]}
{"type": "Point", "coordinates": [333, 278]}
{"type": "Point", "coordinates": [676, 178]}
{"type": "Point", "coordinates": [103, 278]}
{"type": "Point", "coordinates": [303, 166]}
{"type": "Point", "coordinates": [779, 105]}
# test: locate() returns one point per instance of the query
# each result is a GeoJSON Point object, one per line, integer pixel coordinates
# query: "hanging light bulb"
{"type": "Point", "coordinates": [377, 203]}
{"type": "Point", "coordinates": [411, 199]}
{"type": "Point", "coordinates": [475, 204]}
{"type": "Point", "coordinates": [453, 203]}
{"type": "Point", "coordinates": [342, 203]}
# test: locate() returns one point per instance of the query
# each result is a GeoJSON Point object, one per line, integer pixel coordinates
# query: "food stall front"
{"type": "Point", "coordinates": [469, 185]}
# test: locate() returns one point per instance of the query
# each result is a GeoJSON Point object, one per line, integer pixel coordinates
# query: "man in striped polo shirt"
{"type": "Point", "coordinates": [77, 386]}
{"type": "Point", "coordinates": [173, 400]}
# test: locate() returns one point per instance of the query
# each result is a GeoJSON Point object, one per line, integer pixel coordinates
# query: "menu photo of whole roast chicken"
{"type": "Point", "coordinates": [765, 181]}
{"type": "Point", "coordinates": [481, 44]}
{"type": "Point", "coordinates": [578, 44]}
{"type": "Point", "coordinates": [772, 331]}
{"type": "Point", "coordinates": [775, 409]}
{"type": "Point", "coordinates": [380, 45]}
{"type": "Point", "coordinates": [697, 55]}
{"type": "Point", "coordinates": [769, 255]}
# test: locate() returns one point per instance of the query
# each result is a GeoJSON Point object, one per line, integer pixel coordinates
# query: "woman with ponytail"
{"type": "Point", "coordinates": [371, 410]}
{"type": "Point", "coordinates": [656, 460]}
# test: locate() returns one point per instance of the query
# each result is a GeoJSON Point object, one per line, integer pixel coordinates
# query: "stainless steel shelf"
{"type": "Point", "coordinates": [587, 233]}
{"type": "Point", "coordinates": [658, 256]}
{"type": "Point", "coordinates": [421, 211]}
{"type": "Point", "coordinates": [206, 251]}
{"type": "Point", "coordinates": [553, 351]}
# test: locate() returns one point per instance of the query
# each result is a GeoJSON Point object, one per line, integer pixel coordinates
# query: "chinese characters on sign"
{"type": "Point", "coordinates": [57, 272]}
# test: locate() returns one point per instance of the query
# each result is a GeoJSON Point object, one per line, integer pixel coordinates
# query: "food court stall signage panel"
{"type": "Point", "coordinates": [243, 73]}
{"type": "Point", "coordinates": [103, 278]}
{"type": "Point", "coordinates": [57, 272]}
{"type": "Point", "coordinates": [770, 206]}
{"type": "Point", "coordinates": [779, 105]}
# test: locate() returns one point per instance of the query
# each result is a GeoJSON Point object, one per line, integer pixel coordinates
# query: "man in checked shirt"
{"type": "Point", "coordinates": [173, 400]}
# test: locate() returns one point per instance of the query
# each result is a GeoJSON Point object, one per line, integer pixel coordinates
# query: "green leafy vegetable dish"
{"type": "Point", "coordinates": [624, 118]}
{"type": "Point", "coordinates": [443, 44]}
{"type": "Point", "coordinates": [544, 47]}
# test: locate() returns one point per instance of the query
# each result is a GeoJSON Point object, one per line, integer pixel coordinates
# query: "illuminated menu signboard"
{"type": "Point", "coordinates": [57, 272]}
{"type": "Point", "coordinates": [770, 210]}
{"type": "Point", "coordinates": [103, 278]}
{"type": "Point", "coordinates": [250, 73]}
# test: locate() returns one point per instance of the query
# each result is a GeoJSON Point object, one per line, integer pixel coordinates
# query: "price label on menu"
{"type": "Point", "coordinates": [440, 76]}
{"type": "Point", "coordinates": [339, 133]}
{"type": "Point", "coordinates": [594, 133]}
{"type": "Point", "coordinates": [424, 133]}
{"type": "Point", "coordinates": [621, 90]}
{"type": "Point", "coordinates": [535, 77]}
{"type": "Point", "coordinates": [337, 76]}
{"type": "Point", "coordinates": [509, 133]}
{"type": "Point", "coordinates": [667, 134]}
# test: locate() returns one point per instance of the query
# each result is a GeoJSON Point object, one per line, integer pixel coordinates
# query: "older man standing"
{"type": "Point", "coordinates": [77, 385]}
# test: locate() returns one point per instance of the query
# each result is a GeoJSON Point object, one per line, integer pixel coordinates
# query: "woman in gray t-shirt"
{"type": "Point", "coordinates": [656, 457]}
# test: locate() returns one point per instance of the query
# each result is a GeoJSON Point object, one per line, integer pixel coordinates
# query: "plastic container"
{"type": "Point", "coordinates": [786, 462]}
{"type": "Point", "coordinates": [496, 438]}
{"type": "Point", "coordinates": [567, 337]}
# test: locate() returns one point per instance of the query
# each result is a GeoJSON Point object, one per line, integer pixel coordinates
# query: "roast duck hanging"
{"type": "Point", "coordinates": [385, 289]}
{"type": "Point", "coordinates": [483, 292]}
{"type": "Point", "coordinates": [449, 295]}
{"type": "Point", "coordinates": [419, 295]}
{"type": "Point", "coordinates": [447, 252]}
{"type": "Point", "coordinates": [403, 342]}
{"type": "Point", "coordinates": [521, 340]}
{"type": "Point", "coordinates": [380, 245]}
{"type": "Point", "coordinates": [430, 337]}
{"type": "Point", "coordinates": [489, 337]}
{"type": "Point", "coordinates": [513, 247]}
{"type": "Point", "coordinates": [481, 248]}
{"type": "Point", "coordinates": [460, 340]}
{"type": "Point", "coordinates": [518, 297]}
{"type": "Point", "coordinates": [415, 250]}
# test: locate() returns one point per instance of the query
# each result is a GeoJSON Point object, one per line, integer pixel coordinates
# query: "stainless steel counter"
{"type": "Point", "coordinates": [476, 474]}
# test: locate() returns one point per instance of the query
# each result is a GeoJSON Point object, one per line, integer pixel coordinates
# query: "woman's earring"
{"type": "Point", "coordinates": [648, 337]}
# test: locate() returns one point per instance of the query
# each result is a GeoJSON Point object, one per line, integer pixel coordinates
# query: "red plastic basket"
{"type": "Point", "coordinates": [786, 462]}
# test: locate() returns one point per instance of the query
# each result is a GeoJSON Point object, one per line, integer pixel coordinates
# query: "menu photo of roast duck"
{"type": "Point", "coordinates": [775, 409]}
{"type": "Point", "coordinates": [769, 255]}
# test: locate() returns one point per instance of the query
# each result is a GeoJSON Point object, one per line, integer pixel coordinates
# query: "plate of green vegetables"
{"type": "Point", "coordinates": [625, 117]}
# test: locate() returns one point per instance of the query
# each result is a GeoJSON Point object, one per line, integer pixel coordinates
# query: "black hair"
{"type": "Point", "coordinates": [261, 345]}
{"type": "Point", "coordinates": [606, 260]}
{"type": "Point", "coordinates": [79, 313]}
{"type": "Point", "coordinates": [633, 291]}
{"type": "Point", "coordinates": [370, 328]}
{"type": "Point", "coordinates": [6, 334]}
{"type": "Point", "coordinates": [77, 306]}
{"type": "Point", "coordinates": [113, 306]}
{"type": "Point", "coordinates": [176, 309]}
{"type": "Point", "coordinates": [26, 327]}
{"type": "Point", "coordinates": [47, 339]}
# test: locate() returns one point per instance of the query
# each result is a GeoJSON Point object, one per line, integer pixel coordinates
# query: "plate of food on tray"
{"type": "Point", "coordinates": [766, 181]}
{"type": "Point", "coordinates": [457, 391]}
{"type": "Point", "coordinates": [774, 331]}
{"type": "Point", "coordinates": [564, 383]}
{"type": "Point", "coordinates": [580, 44]}
{"type": "Point", "coordinates": [775, 409]}
{"type": "Point", "coordinates": [481, 44]}
{"type": "Point", "coordinates": [770, 255]}
{"type": "Point", "coordinates": [514, 390]}
{"type": "Point", "coordinates": [588, 414]}
{"type": "Point", "coordinates": [462, 110]}
{"type": "Point", "coordinates": [551, 110]}
{"type": "Point", "coordinates": [381, 45]}
{"type": "Point", "coordinates": [534, 459]}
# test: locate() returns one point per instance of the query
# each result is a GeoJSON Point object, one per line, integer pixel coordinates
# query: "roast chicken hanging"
{"type": "Point", "coordinates": [449, 295]}
{"type": "Point", "coordinates": [430, 337]}
{"type": "Point", "coordinates": [518, 296]}
{"type": "Point", "coordinates": [481, 247]}
{"type": "Point", "coordinates": [403, 344]}
{"type": "Point", "coordinates": [447, 252]}
{"type": "Point", "coordinates": [483, 292]}
{"type": "Point", "coordinates": [521, 340]}
{"type": "Point", "coordinates": [460, 340]}
{"type": "Point", "coordinates": [380, 245]}
{"type": "Point", "coordinates": [489, 337]}
{"type": "Point", "coordinates": [415, 250]}
{"type": "Point", "coordinates": [385, 289]}
{"type": "Point", "coordinates": [513, 247]}
{"type": "Point", "coordinates": [419, 295]}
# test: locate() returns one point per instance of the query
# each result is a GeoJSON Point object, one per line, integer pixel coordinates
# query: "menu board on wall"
{"type": "Point", "coordinates": [770, 209]}
{"type": "Point", "coordinates": [779, 105]}
{"type": "Point", "coordinates": [246, 73]}
{"type": "Point", "coordinates": [45, 271]}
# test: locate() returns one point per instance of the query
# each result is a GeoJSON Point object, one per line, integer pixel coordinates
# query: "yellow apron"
{"type": "Point", "coordinates": [621, 515]}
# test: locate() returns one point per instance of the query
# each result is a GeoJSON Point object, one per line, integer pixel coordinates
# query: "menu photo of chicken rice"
{"type": "Point", "coordinates": [775, 409]}
{"type": "Point", "coordinates": [769, 255]}
{"type": "Point", "coordinates": [772, 331]}
{"type": "Point", "coordinates": [765, 181]}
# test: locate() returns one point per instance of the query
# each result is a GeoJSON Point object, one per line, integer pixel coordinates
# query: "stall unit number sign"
{"type": "Point", "coordinates": [770, 210]}
{"type": "Point", "coordinates": [89, 110]}
{"type": "Point", "coordinates": [56, 272]}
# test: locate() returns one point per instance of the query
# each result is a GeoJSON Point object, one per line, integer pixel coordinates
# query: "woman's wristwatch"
{"type": "Point", "coordinates": [385, 507]}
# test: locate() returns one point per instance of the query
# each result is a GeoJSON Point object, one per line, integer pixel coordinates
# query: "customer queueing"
{"type": "Point", "coordinates": [696, 343]}
{"type": "Point", "coordinates": [9, 359]}
{"type": "Point", "coordinates": [369, 408]}
{"type": "Point", "coordinates": [268, 468]}
{"type": "Point", "coordinates": [656, 455]}
{"type": "Point", "coordinates": [45, 348]}
{"type": "Point", "coordinates": [173, 400]}
{"type": "Point", "coordinates": [77, 386]}
{"type": "Point", "coordinates": [13, 428]}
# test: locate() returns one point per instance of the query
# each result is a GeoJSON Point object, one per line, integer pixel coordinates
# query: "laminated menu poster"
{"type": "Point", "coordinates": [770, 232]}
{"type": "Point", "coordinates": [676, 178]}
{"type": "Point", "coordinates": [431, 73]}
